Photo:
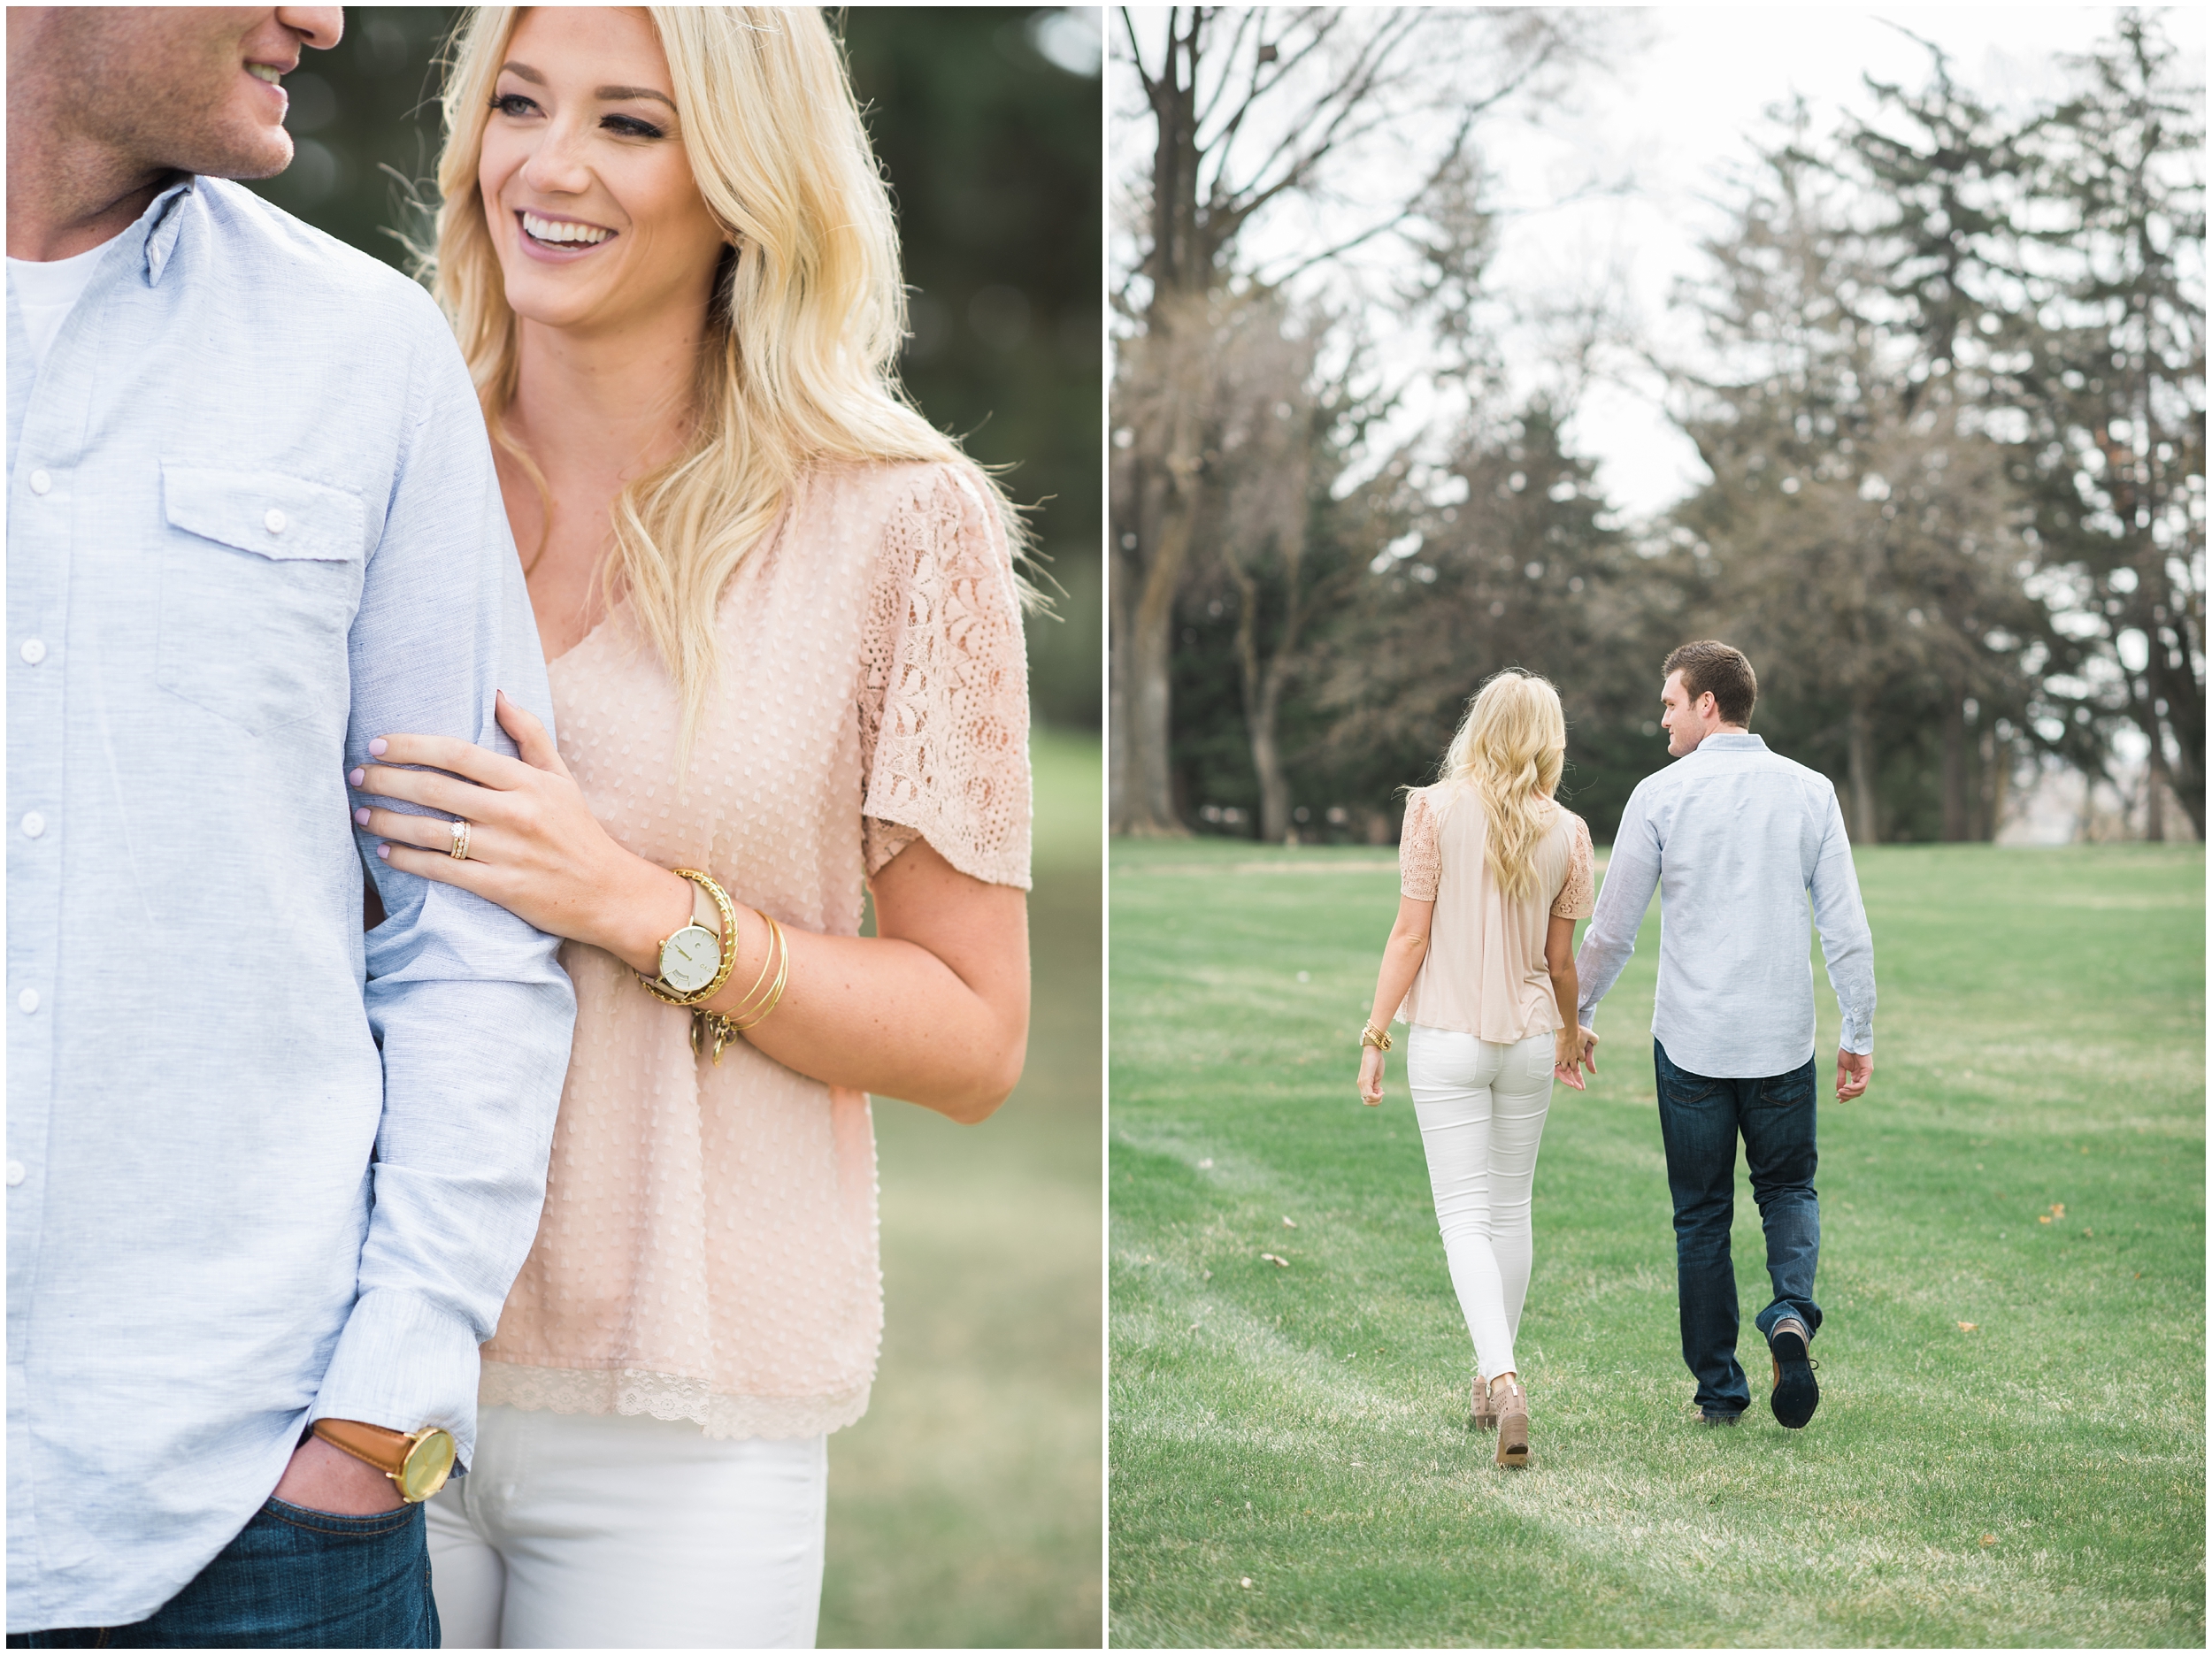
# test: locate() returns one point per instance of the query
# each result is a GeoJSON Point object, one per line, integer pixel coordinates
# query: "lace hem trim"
{"type": "Point", "coordinates": [631, 1391]}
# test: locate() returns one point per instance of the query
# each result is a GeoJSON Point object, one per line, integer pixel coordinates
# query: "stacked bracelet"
{"type": "Point", "coordinates": [728, 913]}
{"type": "Point", "coordinates": [750, 1012]}
{"type": "Point", "coordinates": [1370, 1035]}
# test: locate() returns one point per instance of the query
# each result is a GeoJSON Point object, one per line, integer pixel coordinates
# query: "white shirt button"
{"type": "Point", "coordinates": [273, 521]}
{"type": "Point", "coordinates": [15, 1173]}
{"type": "Point", "coordinates": [27, 1000]}
{"type": "Point", "coordinates": [41, 482]}
{"type": "Point", "coordinates": [33, 825]}
{"type": "Point", "coordinates": [35, 650]}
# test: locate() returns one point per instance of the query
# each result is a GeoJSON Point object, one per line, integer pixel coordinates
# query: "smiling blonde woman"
{"type": "Point", "coordinates": [783, 629]}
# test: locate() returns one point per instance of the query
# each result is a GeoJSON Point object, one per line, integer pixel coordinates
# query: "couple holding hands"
{"type": "Point", "coordinates": [1482, 964]}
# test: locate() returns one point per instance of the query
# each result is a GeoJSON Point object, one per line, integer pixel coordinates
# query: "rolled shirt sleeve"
{"type": "Point", "coordinates": [469, 1004]}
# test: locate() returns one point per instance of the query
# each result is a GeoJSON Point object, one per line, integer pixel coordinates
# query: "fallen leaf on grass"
{"type": "Point", "coordinates": [1246, 1582]}
{"type": "Point", "coordinates": [1989, 1540]}
{"type": "Point", "coordinates": [1967, 1326]}
{"type": "Point", "coordinates": [1289, 1222]}
{"type": "Point", "coordinates": [1271, 1259]}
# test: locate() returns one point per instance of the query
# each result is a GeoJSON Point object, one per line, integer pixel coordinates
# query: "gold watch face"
{"type": "Point", "coordinates": [429, 1462]}
{"type": "Point", "coordinates": [690, 959]}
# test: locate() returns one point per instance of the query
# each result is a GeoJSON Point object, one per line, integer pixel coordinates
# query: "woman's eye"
{"type": "Point", "coordinates": [513, 104]}
{"type": "Point", "coordinates": [631, 127]}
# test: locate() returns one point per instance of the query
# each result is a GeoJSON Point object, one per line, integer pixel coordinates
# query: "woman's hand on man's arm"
{"type": "Point", "coordinates": [534, 845]}
{"type": "Point", "coordinates": [934, 1008]}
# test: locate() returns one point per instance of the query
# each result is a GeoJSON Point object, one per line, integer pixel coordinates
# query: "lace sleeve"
{"type": "Point", "coordinates": [1577, 896]}
{"type": "Point", "coordinates": [1420, 861]}
{"type": "Point", "coordinates": [945, 699]}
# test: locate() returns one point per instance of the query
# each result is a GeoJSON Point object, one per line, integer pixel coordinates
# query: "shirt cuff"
{"type": "Point", "coordinates": [1858, 1036]}
{"type": "Point", "coordinates": [404, 1364]}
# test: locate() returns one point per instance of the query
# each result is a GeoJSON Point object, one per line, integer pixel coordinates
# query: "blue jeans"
{"type": "Point", "coordinates": [1700, 1118]}
{"type": "Point", "coordinates": [292, 1579]}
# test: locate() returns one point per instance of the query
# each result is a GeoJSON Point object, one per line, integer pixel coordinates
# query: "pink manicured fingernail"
{"type": "Point", "coordinates": [377, 747]}
{"type": "Point", "coordinates": [385, 850]}
{"type": "Point", "coordinates": [362, 816]}
{"type": "Point", "coordinates": [355, 777]}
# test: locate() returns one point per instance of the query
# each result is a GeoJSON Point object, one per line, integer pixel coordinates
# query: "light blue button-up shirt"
{"type": "Point", "coordinates": [259, 1172]}
{"type": "Point", "coordinates": [1732, 837]}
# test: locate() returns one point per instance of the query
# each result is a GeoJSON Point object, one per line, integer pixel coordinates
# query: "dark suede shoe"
{"type": "Point", "coordinates": [1718, 1419]}
{"type": "Point", "coordinates": [1796, 1392]}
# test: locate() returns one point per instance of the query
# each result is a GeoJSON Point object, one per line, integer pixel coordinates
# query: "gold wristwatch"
{"type": "Point", "coordinates": [419, 1461]}
{"type": "Point", "coordinates": [696, 958]}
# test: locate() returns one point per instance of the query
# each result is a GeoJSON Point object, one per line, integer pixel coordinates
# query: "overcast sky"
{"type": "Point", "coordinates": [1685, 98]}
{"type": "Point", "coordinates": [1685, 103]}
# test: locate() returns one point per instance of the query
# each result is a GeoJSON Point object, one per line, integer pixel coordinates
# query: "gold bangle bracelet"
{"type": "Point", "coordinates": [722, 1027]}
{"type": "Point", "coordinates": [1380, 1039]}
{"type": "Point", "coordinates": [775, 991]}
{"type": "Point", "coordinates": [767, 964]}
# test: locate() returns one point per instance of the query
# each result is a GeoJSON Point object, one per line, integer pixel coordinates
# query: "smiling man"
{"type": "Point", "coordinates": [1733, 836]}
{"type": "Point", "coordinates": [268, 1185]}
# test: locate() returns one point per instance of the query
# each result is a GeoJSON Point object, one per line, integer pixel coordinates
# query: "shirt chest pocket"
{"type": "Point", "coordinates": [260, 578]}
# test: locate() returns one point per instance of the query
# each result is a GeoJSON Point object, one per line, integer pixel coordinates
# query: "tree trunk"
{"type": "Point", "coordinates": [2155, 799]}
{"type": "Point", "coordinates": [1151, 804]}
{"type": "Point", "coordinates": [1956, 828]}
{"type": "Point", "coordinates": [1996, 766]}
{"type": "Point", "coordinates": [1860, 812]}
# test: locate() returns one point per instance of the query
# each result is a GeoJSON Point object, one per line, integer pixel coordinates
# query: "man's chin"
{"type": "Point", "coordinates": [263, 153]}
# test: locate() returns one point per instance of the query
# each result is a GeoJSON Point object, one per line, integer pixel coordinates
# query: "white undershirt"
{"type": "Point", "coordinates": [45, 292]}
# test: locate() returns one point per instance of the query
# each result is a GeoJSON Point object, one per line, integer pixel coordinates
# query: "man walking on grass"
{"type": "Point", "coordinates": [1733, 836]}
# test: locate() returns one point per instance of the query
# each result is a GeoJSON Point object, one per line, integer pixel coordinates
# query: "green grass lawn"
{"type": "Point", "coordinates": [2009, 1445]}
{"type": "Point", "coordinates": [964, 1508]}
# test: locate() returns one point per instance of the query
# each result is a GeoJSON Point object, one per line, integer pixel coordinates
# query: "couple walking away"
{"type": "Point", "coordinates": [272, 1181]}
{"type": "Point", "coordinates": [1499, 1006]}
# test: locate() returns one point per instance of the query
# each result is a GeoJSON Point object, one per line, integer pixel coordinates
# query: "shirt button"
{"type": "Point", "coordinates": [27, 1000]}
{"type": "Point", "coordinates": [35, 650]}
{"type": "Point", "coordinates": [273, 521]}
{"type": "Point", "coordinates": [33, 825]}
{"type": "Point", "coordinates": [15, 1173]}
{"type": "Point", "coordinates": [41, 482]}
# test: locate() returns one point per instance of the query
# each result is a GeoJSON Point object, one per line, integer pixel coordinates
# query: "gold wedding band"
{"type": "Point", "coordinates": [460, 850]}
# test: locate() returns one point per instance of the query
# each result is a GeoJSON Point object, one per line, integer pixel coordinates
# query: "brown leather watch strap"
{"type": "Point", "coordinates": [372, 1445]}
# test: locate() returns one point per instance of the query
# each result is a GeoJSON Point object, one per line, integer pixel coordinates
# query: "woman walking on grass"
{"type": "Point", "coordinates": [1493, 873]}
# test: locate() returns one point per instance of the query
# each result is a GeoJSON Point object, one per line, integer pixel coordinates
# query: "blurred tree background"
{"type": "Point", "coordinates": [1951, 401]}
{"type": "Point", "coordinates": [987, 123]}
{"type": "Point", "coordinates": [966, 1507]}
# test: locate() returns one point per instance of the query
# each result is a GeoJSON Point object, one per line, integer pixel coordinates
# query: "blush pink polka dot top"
{"type": "Point", "coordinates": [1483, 973]}
{"type": "Point", "coordinates": [708, 1248]}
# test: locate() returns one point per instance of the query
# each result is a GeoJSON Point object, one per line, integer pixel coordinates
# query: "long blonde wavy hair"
{"type": "Point", "coordinates": [803, 329]}
{"type": "Point", "coordinates": [1510, 747]}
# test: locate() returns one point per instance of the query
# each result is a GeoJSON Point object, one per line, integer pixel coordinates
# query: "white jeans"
{"type": "Point", "coordinates": [1481, 1108]}
{"type": "Point", "coordinates": [575, 1530]}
